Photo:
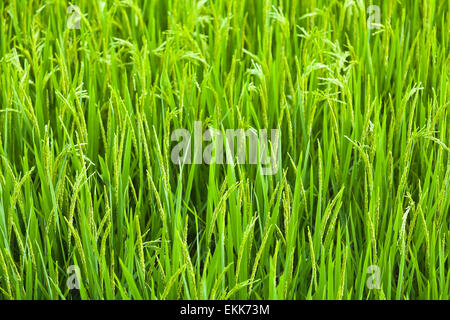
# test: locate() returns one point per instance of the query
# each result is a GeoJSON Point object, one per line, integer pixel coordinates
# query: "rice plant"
{"type": "Point", "coordinates": [93, 206]}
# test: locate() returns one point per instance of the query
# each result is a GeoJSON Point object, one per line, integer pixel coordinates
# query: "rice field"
{"type": "Point", "coordinates": [350, 199]}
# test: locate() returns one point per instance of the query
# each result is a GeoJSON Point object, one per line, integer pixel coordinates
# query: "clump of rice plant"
{"type": "Point", "coordinates": [92, 206]}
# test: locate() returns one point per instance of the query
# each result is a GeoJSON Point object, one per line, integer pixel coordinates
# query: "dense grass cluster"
{"type": "Point", "coordinates": [86, 176]}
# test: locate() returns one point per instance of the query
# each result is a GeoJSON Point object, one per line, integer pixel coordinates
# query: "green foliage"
{"type": "Point", "coordinates": [86, 176]}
